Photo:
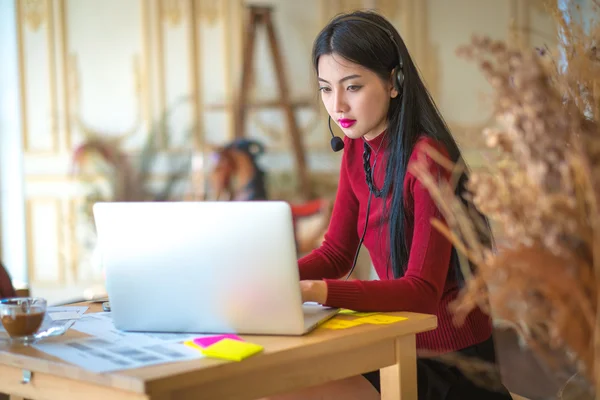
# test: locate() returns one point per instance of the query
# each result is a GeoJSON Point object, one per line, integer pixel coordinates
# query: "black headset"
{"type": "Point", "coordinates": [337, 144]}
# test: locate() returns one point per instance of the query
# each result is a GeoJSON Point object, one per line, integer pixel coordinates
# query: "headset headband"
{"type": "Point", "coordinates": [383, 28]}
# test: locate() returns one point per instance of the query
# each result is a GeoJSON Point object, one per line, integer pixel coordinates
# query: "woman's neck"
{"type": "Point", "coordinates": [376, 142]}
{"type": "Point", "coordinates": [375, 133]}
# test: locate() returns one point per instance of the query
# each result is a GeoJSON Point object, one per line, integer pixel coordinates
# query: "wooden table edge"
{"type": "Point", "coordinates": [200, 375]}
{"type": "Point", "coordinates": [127, 380]}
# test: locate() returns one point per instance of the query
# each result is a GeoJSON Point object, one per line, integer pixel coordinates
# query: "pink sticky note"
{"type": "Point", "coordinates": [204, 342]}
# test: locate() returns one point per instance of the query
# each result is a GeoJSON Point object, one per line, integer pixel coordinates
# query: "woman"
{"type": "Point", "coordinates": [371, 88]}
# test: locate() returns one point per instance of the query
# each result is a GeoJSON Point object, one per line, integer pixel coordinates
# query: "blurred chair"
{"type": "Point", "coordinates": [311, 219]}
{"type": "Point", "coordinates": [523, 372]}
{"type": "Point", "coordinates": [6, 287]}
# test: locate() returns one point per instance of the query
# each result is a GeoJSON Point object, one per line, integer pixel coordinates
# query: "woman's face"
{"type": "Point", "coordinates": [355, 97]}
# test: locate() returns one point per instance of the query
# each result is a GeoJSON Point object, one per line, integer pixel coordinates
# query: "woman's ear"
{"type": "Point", "coordinates": [393, 91]}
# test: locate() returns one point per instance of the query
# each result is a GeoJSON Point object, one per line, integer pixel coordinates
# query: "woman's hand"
{"type": "Point", "coordinates": [314, 291]}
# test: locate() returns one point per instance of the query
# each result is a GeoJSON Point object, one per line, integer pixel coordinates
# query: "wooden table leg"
{"type": "Point", "coordinates": [399, 381]}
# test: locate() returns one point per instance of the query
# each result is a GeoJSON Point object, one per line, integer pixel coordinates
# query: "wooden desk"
{"type": "Point", "coordinates": [286, 364]}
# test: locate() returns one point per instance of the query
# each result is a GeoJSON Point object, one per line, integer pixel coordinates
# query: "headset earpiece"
{"type": "Point", "coordinates": [399, 79]}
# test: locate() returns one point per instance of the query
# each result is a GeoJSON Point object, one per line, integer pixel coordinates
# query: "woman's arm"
{"type": "Point", "coordinates": [422, 286]}
{"type": "Point", "coordinates": [334, 257]}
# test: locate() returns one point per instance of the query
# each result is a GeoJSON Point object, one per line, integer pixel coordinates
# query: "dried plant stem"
{"type": "Point", "coordinates": [542, 195]}
{"type": "Point", "coordinates": [453, 238]}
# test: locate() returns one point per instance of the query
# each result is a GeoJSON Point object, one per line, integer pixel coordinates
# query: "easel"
{"type": "Point", "coordinates": [262, 15]}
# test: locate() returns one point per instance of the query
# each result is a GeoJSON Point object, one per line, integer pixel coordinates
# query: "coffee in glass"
{"type": "Point", "coordinates": [22, 317]}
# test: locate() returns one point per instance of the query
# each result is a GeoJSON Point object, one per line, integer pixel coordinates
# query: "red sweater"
{"type": "Point", "coordinates": [427, 286]}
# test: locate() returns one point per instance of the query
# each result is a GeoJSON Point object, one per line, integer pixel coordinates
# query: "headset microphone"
{"type": "Point", "coordinates": [337, 144]}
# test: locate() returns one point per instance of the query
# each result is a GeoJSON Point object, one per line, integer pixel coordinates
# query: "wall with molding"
{"type": "Point", "coordinates": [12, 209]}
{"type": "Point", "coordinates": [111, 68]}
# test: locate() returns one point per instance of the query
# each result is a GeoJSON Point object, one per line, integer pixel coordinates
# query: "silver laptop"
{"type": "Point", "coordinates": [203, 267]}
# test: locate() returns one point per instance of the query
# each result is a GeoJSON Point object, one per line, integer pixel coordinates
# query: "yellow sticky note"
{"type": "Point", "coordinates": [233, 350]}
{"type": "Point", "coordinates": [345, 311]}
{"type": "Point", "coordinates": [379, 319]}
{"type": "Point", "coordinates": [339, 324]}
{"type": "Point", "coordinates": [364, 314]}
{"type": "Point", "coordinates": [190, 343]}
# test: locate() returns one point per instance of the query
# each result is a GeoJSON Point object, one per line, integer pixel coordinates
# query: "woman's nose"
{"type": "Point", "coordinates": [339, 103]}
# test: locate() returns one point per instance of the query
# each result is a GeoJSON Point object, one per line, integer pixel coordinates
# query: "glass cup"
{"type": "Point", "coordinates": [22, 317]}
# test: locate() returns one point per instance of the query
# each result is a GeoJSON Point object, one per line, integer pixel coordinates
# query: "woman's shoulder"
{"type": "Point", "coordinates": [430, 153]}
{"type": "Point", "coordinates": [424, 147]}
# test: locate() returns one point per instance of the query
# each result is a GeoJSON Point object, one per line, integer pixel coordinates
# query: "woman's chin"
{"type": "Point", "coordinates": [353, 134]}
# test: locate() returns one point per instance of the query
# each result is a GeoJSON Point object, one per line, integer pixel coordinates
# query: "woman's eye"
{"type": "Point", "coordinates": [324, 89]}
{"type": "Point", "coordinates": [354, 88]}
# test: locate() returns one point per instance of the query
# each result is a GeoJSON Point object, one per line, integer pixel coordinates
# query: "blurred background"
{"type": "Point", "coordinates": [136, 100]}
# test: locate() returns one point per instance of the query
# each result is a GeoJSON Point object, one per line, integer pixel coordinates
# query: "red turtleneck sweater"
{"type": "Point", "coordinates": [426, 287]}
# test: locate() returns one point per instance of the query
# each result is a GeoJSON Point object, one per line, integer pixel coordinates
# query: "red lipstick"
{"type": "Point", "coordinates": [346, 123]}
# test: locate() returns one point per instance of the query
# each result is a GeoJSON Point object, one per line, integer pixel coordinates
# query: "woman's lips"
{"type": "Point", "coordinates": [347, 123]}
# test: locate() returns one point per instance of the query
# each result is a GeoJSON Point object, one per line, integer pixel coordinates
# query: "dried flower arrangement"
{"type": "Point", "coordinates": [541, 192]}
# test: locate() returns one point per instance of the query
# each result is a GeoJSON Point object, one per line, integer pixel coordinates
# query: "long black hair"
{"type": "Point", "coordinates": [411, 114]}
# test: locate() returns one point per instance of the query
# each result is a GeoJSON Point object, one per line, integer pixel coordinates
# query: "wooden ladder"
{"type": "Point", "coordinates": [263, 15]}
